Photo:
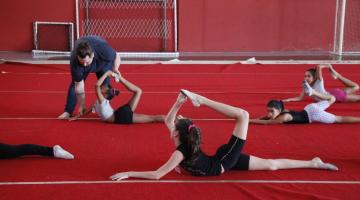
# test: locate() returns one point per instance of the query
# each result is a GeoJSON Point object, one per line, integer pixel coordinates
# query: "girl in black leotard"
{"type": "Point", "coordinates": [190, 157]}
{"type": "Point", "coordinates": [314, 112]}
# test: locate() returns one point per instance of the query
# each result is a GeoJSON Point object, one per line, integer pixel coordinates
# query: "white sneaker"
{"type": "Point", "coordinates": [307, 88]}
{"type": "Point", "coordinates": [65, 115]}
{"type": "Point", "coordinates": [61, 153]}
{"type": "Point", "coordinates": [192, 96]}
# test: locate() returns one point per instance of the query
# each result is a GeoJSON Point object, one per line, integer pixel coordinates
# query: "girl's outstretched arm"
{"type": "Point", "coordinates": [298, 98]}
{"type": "Point", "coordinates": [265, 121]}
{"type": "Point", "coordinates": [173, 161]}
{"type": "Point", "coordinates": [278, 120]}
{"type": "Point", "coordinates": [128, 85]}
{"type": "Point", "coordinates": [99, 95]}
{"type": "Point", "coordinates": [86, 112]}
{"type": "Point", "coordinates": [171, 116]}
{"type": "Point", "coordinates": [319, 70]}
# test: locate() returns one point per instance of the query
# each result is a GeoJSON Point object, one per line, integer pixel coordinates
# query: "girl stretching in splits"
{"type": "Point", "coordinates": [15, 151]}
{"type": "Point", "coordinates": [315, 80]}
{"type": "Point", "coordinates": [124, 114]}
{"type": "Point", "coordinates": [189, 155]}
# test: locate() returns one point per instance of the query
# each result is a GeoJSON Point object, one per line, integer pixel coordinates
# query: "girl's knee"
{"type": "Point", "coordinates": [271, 165]}
{"type": "Point", "coordinates": [338, 119]}
{"type": "Point", "coordinates": [332, 99]}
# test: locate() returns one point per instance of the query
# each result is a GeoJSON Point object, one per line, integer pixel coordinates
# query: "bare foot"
{"type": "Point", "coordinates": [192, 96]}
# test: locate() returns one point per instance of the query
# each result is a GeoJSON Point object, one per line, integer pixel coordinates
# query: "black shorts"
{"type": "Point", "coordinates": [124, 115]}
{"type": "Point", "coordinates": [230, 156]}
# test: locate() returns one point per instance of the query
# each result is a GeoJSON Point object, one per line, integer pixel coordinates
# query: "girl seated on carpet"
{"type": "Point", "coordinates": [15, 151]}
{"type": "Point", "coordinates": [187, 137]}
{"type": "Point", "coordinates": [124, 114]}
{"type": "Point", "coordinates": [316, 81]}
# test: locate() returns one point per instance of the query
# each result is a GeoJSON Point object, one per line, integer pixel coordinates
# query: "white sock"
{"type": "Point", "coordinates": [61, 153]}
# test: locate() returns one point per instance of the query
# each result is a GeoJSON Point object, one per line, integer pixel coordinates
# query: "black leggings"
{"type": "Point", "coordinates": [14, 151]}
{"type": "Point", "coordinates": [230, 156]}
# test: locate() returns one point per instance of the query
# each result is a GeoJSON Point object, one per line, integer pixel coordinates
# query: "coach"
{"type": "Point", "coordinates": [91, 54]}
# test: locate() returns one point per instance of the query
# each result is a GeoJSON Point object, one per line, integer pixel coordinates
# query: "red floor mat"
{"type": "Point", "coordinates": [191, 191]}
{"type": "Point", "coordinates": [33, 95]}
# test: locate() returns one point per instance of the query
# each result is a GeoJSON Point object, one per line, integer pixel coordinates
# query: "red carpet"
{"type": "Point", "coordinates": [33, 95]}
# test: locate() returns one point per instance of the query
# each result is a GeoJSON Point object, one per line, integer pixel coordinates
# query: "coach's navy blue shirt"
{"type": "Point", "coordinates": [104, 56]}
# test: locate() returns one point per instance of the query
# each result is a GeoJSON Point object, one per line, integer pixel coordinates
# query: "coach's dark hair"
{"type": "Point", "coordinates": [83, 49]}
{"type": "Point", "coordinates": [312, 71]}
{"type": "Point", "coordinates": [190, 135]}
{"type": "Point", "coordinates": [276, 104]}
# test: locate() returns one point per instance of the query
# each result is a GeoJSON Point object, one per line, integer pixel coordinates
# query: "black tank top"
{"type": "Point", "coordinates": [298, 117]}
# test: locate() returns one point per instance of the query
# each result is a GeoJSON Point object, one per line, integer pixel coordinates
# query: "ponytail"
{"type": "Point", "coordinates": [190, 135]}
{"type": "Point", "coordinates": [194, 141]}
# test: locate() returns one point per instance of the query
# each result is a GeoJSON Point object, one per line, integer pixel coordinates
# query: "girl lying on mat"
{"type": "Point", "coordinates": [124, 114]}
{"type": "Point", "coordinates": [314, 112]}
{"type": "Point", "coordinates": [315, 80]}
{"type": "Point", "coordinates": [188, 154]}
{"type": "Point", "coordinates": [15, 151]}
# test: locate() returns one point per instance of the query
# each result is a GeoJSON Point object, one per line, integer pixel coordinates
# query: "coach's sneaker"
{"type": "Point", "coordinates": [61, 153]}
{"type": "Point", "coordinates": [192, 96]}
{"type": "Point", "coordinates": [307, 88]}
{"type": "Point", "coordinates": [65, 115]}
